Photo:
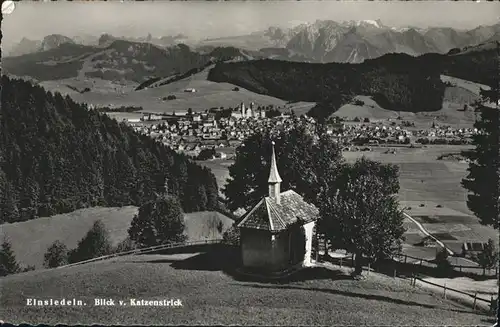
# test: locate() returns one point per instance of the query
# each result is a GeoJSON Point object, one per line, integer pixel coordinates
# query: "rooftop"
{"type": "Point", "coordinates": [270, 216]}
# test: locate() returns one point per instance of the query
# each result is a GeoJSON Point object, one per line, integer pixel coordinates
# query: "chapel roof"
{"type": "Point", "coordinates": [271, 216]}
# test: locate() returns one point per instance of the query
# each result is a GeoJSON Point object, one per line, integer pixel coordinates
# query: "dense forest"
{"type": "Point", "coordinates": [57, 156]}
{"type": "Point", "coordinates": [396, 81]}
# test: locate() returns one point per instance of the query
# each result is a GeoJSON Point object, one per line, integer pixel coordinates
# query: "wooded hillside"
{"type": "Point", "coordinates": [57, 156]}
{"type": "Point", "coordinates": [397, 82]}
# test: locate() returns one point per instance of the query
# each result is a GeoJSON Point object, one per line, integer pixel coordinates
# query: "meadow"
{"type": "Point", "coordinates": [208, 95]}
{"type": "Point", "coordinates": [210, 296]}
{"type": "Point", "coordinates": [31, 239]}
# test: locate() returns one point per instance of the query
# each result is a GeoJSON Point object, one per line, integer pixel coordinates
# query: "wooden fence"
{"type": "Point", "coordinates": [460, 268]}
{"type": "Point", "coordinates": [148, 250]}
{"type": "Point", "coordinates": [491, 303]}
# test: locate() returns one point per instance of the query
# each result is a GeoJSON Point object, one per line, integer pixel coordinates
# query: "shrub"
{"type": "Point", "coordinates": [442, 263]}
{"type": "Point", "coordinates": [232, 236]}
{"type": "Point", "coordinates": [95, 244]}
{"type": "Point", "coordinates": [126, 245]}
{"type": "Point", "coordinates": [366, 120]}
{"type": "Point", "coordinates": [171, 97]}
{"type": "Point", "coordinates": [56, 255]}
{"type": "Point", "coordinates": [28, 268]}
{"type": "Point", "coordinates": [236, 89]}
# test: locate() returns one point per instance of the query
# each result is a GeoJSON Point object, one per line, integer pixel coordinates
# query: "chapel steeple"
{"type": "Point", "coordinates": [274, 180]}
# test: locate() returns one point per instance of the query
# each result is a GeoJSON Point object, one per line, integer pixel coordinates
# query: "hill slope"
{"type": "Point", "coordinates": [57, 156]}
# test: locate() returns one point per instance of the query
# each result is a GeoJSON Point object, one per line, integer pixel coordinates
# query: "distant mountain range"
{"type": "Point", "coordinates": [356, 41]}
{"type": "Point", "coordinates": [121, 60]}
{"type": "Point", "coordinates": [322, 41]}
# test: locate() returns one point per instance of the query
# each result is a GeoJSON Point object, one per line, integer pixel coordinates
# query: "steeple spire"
{"type": "Point", "coordinates": [274, 180]}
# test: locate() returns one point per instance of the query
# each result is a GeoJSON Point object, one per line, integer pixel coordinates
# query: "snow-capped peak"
{"type": "Point", "coordinates": [375, 23]}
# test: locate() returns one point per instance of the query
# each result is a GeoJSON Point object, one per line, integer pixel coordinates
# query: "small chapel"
{"type": "Point", "coordinates": [276, 234]}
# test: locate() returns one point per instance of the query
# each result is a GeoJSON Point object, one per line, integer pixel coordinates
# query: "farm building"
{"type": "Point", "coordinates": [471, 248]}
{"type": "Point", "coordinates": [277, 233]}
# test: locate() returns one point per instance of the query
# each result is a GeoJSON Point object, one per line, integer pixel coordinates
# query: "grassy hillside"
{"type": "Point", "coordinates": [209, 296]}
{"type": "Point", "coordinates": [396, 82]}
{"type": "Point", "coordinates": [31, 239]}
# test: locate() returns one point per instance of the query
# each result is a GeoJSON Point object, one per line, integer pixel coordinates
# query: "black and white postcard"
{"type": "Point", "coordinates": [250, 163]}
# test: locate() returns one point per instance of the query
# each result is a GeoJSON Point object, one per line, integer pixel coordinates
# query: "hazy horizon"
{"type": "Point", "coordinates": [201, 20]}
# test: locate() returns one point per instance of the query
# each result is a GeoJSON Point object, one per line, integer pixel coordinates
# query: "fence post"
{"type": "Point", "coordinates": [460, 268]}
{"type": "Point", "coordinates": [406, 257]}
{"type": "Point", "coordinates": [421, 263]}
{"type": "Point", "coordinates": [475, 299]}
{"type": "Point", "coordinates": [394, 273]}
{"type": "Point", "coordinates": [340, 262]}
{"type": "Point", "coordinates": [444, 295]}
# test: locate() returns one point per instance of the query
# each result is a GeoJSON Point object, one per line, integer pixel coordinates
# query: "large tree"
{"type": "Point", "coordinates": [483, 179]}
{"type": "Point", "coordinates": [56, 255]}
{"type": "Point", "coordinates": [8, 263]}
{"type": "Point", "coordinates": [304, 154]}
{"type": "Point", "coordinates": [157, 222]}
{"type": "Point", "coordinates": [360, 212]}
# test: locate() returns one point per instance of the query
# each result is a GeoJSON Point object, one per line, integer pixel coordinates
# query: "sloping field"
{"type": "Point", "coordinates": [31, 239]}
{"type": "Point", "coordinates": [208, 94]}
{"type": "Point", "coordinates": [211, 297]}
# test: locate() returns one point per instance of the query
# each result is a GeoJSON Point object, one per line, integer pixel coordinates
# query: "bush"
{"type": "Point", "coordinates": [236, 89]}
{"type": "Point", "coordinates": [126, 245]}
{"type": "Point", "coordinates": [366, 120]}
{"type": "Point", "coordinates": [171, 97]}
{"type": "Point", "coordinates": [359, 103]}
{"type": "Point", "coordinates": [56, 255]}
{"type": "Point", "coordinates": [232, 235]}
{"type": "Point", "coordinates": [95, 244]}
{"type": "Point", "coordinates": [443, 265]}
{"type": "Point", "coordinates": [28, 268]}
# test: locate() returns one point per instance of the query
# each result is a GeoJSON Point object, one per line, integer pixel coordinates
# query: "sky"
{"type": "Point", "coordinates": [202, 19]}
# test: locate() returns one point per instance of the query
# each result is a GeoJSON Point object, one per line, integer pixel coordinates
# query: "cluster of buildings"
{"type": "Point", "coordinates": [394, 134]}
{"type": "Point", "coordinates": [192, 132]}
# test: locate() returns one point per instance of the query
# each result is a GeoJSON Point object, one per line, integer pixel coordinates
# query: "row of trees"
{"type": "Point", "coordinates": [57, 156]}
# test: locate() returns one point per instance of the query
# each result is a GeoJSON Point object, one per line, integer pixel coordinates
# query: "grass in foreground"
{"type": "Point", "coordinates": [210, 296]}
